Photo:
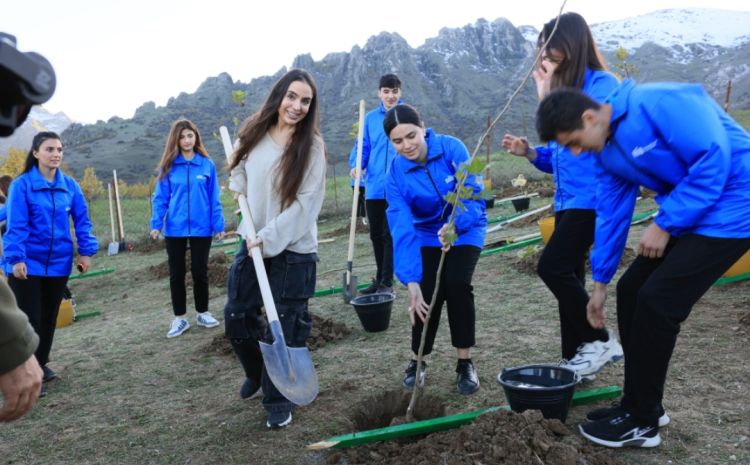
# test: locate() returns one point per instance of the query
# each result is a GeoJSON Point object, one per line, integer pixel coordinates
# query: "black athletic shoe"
{"type": "Point", "coordinates": [48, 374]}
{"type": "Point", "coordinates": [250, 389]}
{"type": "Point", "coordinates": [620, 431]}
{"type": "Point", "coordinates": [467, 380]}
{"type": "Point", "coordinates": [278, 420]}
{"type": "Point", "coordinates": [616, 409]}
{"type": "Point", "coordinates": [371, 289]}
{"type": "Point", "coordinates": [411, 374]}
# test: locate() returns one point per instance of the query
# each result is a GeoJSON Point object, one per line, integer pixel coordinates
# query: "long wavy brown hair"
{"type": "Point", "coordinates": [296, 157]}
{"type": "Point", "coordinates": [172, 147]}
{"type": "Point", "coordinates": [574, 40]}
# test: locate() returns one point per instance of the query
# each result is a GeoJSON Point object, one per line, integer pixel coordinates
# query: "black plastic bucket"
{"type": "Point", "coordinates": [521, 204]}
{"type": "Point", "coordinates": [548, 388]}
{"type": "Point", "coordinates": [374, 310]}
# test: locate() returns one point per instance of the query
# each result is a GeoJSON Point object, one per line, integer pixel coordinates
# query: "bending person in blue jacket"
{"type": "Point", "coordinates": [418, 181]}
{"type": "Point", "coordinates": [377, 153]}
{"type": "Point", "coordinates": [38, 248]}
{"type": "Point", "coordinates": [675, 140]}
{"type": "Point", "coordinates": [571, 59]}
{"type": "Point", "coordinates": [187, 193]}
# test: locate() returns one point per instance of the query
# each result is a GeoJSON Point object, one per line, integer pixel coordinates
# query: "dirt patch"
{"type": "Point", "coordinates": [218, 270]}
{"type": "Point", "coordinates": [500, 437]}
{"type": "Point", "coordinates": [528, 259]}
{"type": "Point", "coordinates": [389, 408]}
{"type": "Point", "coordinates": [146, 245]}
{"type": "Point", "coordinates": [325, 331]}
{"type": "Point", "coordinates": [344, 230]}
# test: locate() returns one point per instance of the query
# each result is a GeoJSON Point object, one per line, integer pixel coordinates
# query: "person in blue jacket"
{"type": "Point", "coordinates": [187, 194]}
{"type": "Point", "coordinates": [377, 153]}
{"type": "Point", "coordinates": [418, 214]}
{"type": "Point", "coordinates": [38, 249]}
{"type": "Point", "coordinates": [571, 59]}
{"type": "Point", "coordinates": [675, 140]}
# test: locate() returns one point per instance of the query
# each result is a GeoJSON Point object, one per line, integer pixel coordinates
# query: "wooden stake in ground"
{"type": "Point", "coordinates": [120, 229]}
{"type": "Point", "coordinates": [113, 247]}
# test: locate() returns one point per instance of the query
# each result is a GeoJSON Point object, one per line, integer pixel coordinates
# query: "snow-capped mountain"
{"type": "Point", "coordinates": [38, 120]}
{"type": "Point", "coordinates": [676, 28]}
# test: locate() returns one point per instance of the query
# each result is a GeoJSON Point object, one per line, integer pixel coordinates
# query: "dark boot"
{"type": "Point", "coordinates": [467, 380]}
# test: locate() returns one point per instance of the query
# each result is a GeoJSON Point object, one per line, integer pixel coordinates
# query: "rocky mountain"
{"type": "Point", "coordinates": [457, 80]}
{"type": "Point", "coordinates": [38, 120]}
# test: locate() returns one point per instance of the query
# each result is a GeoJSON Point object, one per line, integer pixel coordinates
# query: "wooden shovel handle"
{"type": "Point", "coordinates": [355, 194]}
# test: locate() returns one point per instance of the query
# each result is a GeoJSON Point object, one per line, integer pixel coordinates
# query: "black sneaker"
{"type": "Point", "coordinates": [371, 289]}
{"type": "Point", "coordinates": [278, 420]}
{"type": "Point", "coordinates": [411, 374]}
{"type": "Point", "coordinates": [43, 391]}
{"type": "Point", "coordinates": [467, 380]}
{"type": "Point", "coordinates": [620, 431]}
{"type": "Point", "coordinates": [250, 389]}
{"type": "Point", "coordinates": [383, 289]}
{"type": "Point", "coordinates": [616, 409]}
{"type": "Point", "coordinates": [48, 374]}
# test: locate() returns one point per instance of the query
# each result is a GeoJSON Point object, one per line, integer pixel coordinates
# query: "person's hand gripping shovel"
{"type": "Point", "coordinates": [349, 280]}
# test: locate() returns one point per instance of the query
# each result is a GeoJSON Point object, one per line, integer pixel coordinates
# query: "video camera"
{"type": "Point", "coordinates": [26, 79]}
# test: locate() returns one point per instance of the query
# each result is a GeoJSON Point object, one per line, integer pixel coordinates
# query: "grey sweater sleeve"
{"type": "Point", "coordinates": [18, 341]}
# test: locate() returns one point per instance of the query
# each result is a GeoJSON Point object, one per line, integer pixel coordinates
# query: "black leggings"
{"type": "Point", "coordinates": [455, 289]}
{"type": "Point", "coordinates": [199, 250]}
{"type": "Point", "coordinates": [562, 267]}
{"type": "Point", "coordinates": [382, 243]}
{"type": "Point", "coordinates": [39, 297]}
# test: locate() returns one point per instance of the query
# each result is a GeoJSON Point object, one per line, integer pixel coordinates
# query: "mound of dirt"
{"type": "Point", "coordinates": [325, 331]}
{"type": "Point", "coordinates": [527, 263]}
{"type": "Point", "coordinates": [146, 245]}
{"type": "Point", "coordinates": [344, 230]}
{"type": "Point", "coordinates": [159, 271]}
{"type": "Point", "coordinates": [500, 437]}
{"type": "Point", "coordinates": [218, 270]}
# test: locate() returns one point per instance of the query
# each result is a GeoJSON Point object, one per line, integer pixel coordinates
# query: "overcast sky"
{"type": "Point", "coordinates": [112, 56]}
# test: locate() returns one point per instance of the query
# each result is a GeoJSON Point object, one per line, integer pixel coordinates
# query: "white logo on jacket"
{"type": "Point", "coordinates": [638, 151]}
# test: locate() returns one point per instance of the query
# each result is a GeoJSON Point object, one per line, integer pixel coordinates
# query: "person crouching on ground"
{"type": "Point", "coordinates": [418, 181]}
{"type": "Point", "coordinates": [675, 140]}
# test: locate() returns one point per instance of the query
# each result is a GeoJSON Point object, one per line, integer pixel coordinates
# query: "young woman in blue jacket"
{"type": "Point", "coordinates": [418, 181]}
{"type": "Point", "coordinates": [571, 59]}
{"type": "Point", "coordinates": [186, 207]}
{"type": "Point", "coordinates": [675, 140]}
{"type": "Point", "coordinates": [38, 249]}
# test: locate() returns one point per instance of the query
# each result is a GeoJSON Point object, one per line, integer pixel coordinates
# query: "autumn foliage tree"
{"type": "Point", "coordinates": [14, 163]}
{"type": "Point", "coordinates": [91, 185]}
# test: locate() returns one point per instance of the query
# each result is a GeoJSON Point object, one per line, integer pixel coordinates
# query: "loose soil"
{"type": "Point", "coordinates": [499, 437]}
{"type": "Point", "coordinates": [218, 269]}
{"type": "Point", "coordinates": [527, 262]}
{"type": "Point", "coordinates": [344, 230]}
{"type": "Point", "coordinates": [324, 331]}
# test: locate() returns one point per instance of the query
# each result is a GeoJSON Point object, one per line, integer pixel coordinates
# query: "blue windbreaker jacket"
{"type": "Point", "coordinates": [189, 197]}
{"type": "Point", "coordinates": [377, 153]}
{"type": "Point", "coordinates": [574, 175]}
{"type": "Point", "coordinates": [38, 232]}
{"type": "Point", "coordinates": [417, 208]}
{"type": "Point", "coordinates": [675, 140]}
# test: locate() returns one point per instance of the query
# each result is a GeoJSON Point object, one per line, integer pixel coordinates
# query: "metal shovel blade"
{"type": "Point", "coordinates": [349, 290]}
{"type": "Point", "coordinates": [291, 369]}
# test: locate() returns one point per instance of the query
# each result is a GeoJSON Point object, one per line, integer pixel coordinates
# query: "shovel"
{"type": "Point", "coordinates": [290, 368]}
{"type": "Point", "coordinates": [349, 281]}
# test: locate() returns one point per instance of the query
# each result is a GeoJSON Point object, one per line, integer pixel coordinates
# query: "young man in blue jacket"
{"type": "Point", "coordinates": [377, 153]}
{"type": "Point", "coordinates": [675, 140]}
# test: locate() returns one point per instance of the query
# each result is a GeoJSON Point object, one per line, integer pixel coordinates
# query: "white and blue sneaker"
{"type": "Point", "coordinates": [179, 325]}
{"type": "Point", "coordinates": [206, 320]}
{"type": "Point", "coordinates": [592, 356]}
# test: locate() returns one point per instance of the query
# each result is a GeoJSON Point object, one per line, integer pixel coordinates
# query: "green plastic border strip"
{"type": "Point", "coordinates": [89, 274]}
{"type": "Point", "coordinates": [444, 423]}
{"type": "Point", "coordinates": [216, 245]}
{"type": "Point", "coordinates": [514, 245]}
{"type": "Point", "coordinates": [336, 290]}
{"type": "Point", "coordinates": [732, 279]}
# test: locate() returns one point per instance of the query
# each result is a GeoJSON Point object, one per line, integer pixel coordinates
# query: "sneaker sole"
{"type": "Point", "coordinates": [640, 442]}
{"type": "Point", "coordinates": [170, 336]}
{"type": "Point", "coordinates": [206, 325]}
{"type": "Point", "coordinates": [583, 375]}
{"type": "Point", "coordinates": [281, 425]}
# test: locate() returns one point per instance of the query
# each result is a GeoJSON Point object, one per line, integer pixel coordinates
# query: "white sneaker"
{"type": "Point", "coordinates": [591, 357]}
{"type": "Point", "coordinates": [206, 320]}
{"type": "Point", "coordinates": [179, 325]}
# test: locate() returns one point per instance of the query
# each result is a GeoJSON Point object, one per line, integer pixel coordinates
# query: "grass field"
{"type": "Point", "coordinates": [128, 395]}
